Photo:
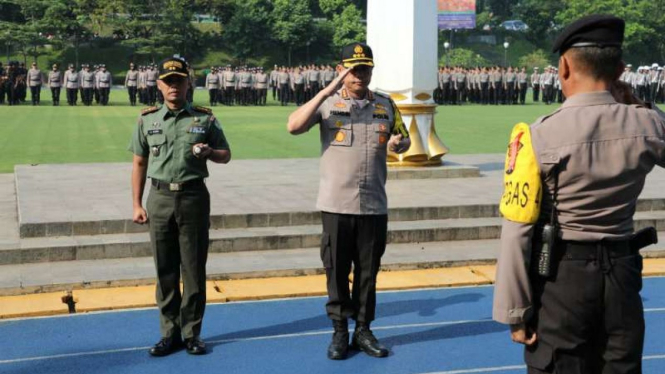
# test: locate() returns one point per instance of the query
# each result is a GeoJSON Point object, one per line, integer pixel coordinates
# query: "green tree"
{"type": "Point", "coordinates": [246, 34]}
{"type": "Point", "coordinates": [463, 57]}
{"type": "Point", "coordinates": [537, 58]}
{"type": "Point", "coordinates": [539, 15]}
{"type": "Point", "coordinates": [348, 27]}
{"type": "Point", "coordinates": [292, 24]}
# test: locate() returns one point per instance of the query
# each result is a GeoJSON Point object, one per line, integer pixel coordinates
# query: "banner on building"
{"type": "Point", "coordinates": [457, 14]}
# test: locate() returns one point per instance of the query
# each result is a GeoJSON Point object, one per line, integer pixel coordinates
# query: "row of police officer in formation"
{"type": "Point", "coordinates": [496, 85]}
{"type": "Point", "coordinates": [648, 82]}
{"type": "Point", "coordinates": [15, 81]}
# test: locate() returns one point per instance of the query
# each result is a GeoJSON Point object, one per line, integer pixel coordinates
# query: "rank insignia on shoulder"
{"type": "Point", "coordinates": [203, 109]}
{"type": "Point", "coordinates": [380, 106]}
{"type": "Point", "coordinates": [149, 110]}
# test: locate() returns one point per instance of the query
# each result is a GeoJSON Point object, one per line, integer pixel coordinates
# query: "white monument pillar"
{"type": "Point", "coordinates": [403, 36]}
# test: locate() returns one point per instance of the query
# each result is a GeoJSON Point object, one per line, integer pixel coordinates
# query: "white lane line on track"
{"type": "Point", "coordinates": [294, 335]}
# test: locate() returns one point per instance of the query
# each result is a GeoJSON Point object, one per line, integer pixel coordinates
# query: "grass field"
{"type": "Point", "coordinates": [64, 134]}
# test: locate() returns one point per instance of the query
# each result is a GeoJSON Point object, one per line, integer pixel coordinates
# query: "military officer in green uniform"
{"type": "Point", "coordinates": [171, 146]}
{"type": "Point", "coordinates": [358, 128]}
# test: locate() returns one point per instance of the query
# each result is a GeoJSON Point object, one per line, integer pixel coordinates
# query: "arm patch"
{"type": "Point", "coordinates": [522, 193]}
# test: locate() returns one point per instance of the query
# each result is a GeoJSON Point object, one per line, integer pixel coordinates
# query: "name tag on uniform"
{"type": "Point", "coordinates": [197, 130]}
{"type": "Point", "coordinates": [380, 116]}
{"type": "Point", "coordinates": [340, 113]}
{"type": "Point", "coordinates": [153, 132]}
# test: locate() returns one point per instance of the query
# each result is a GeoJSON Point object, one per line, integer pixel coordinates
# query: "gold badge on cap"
{"type": "Point", "coordinates": [359, 52]}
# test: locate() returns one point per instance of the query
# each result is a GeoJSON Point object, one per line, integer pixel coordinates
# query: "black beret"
{"type": "Point", "coordinates": [596, 30]}
{"type": "Point", "coordinates": [357, 54]}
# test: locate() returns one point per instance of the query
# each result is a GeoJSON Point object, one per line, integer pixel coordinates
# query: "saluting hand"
{"type": "Point", "coordinates": [336, 84]}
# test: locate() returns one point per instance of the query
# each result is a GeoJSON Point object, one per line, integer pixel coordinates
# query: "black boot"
{"type": "Point", "coordinates": [364, 340]}
{"type": "Point", "coordinates": [339, 347]}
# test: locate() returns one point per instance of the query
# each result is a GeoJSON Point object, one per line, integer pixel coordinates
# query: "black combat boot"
{"type": "Point", "coordinates": [339, 347]}
{"type": "Point", "coordinates": [364, 340]}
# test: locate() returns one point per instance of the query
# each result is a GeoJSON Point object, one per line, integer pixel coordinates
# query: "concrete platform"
{"type": "Point", "coordinates": [91, 199]}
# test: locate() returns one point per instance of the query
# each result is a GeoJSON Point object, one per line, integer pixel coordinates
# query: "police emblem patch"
{"type": "Point", "coordinates": [514, 148]}
{"type": "Point", "coordinates": [339, 137]}
{"type": "Point", "coordinates": [339, 124]}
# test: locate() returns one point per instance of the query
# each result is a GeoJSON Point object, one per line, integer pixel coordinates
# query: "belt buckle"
{"type": "Point", "coordinates": [175, 186]}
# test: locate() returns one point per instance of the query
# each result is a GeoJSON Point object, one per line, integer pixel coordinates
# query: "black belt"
{"type": "Point", "coordinates": [175, 187]}
{"type": "Point", "coordinates": [594, 250]}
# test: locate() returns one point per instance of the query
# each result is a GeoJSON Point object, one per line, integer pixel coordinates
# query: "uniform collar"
{"type": "Point", "coordinates": [165, 112]}
{"type": "Point", "coordinates": [590, 98]}
{"type": "Point", "coordinates": [345, 94]}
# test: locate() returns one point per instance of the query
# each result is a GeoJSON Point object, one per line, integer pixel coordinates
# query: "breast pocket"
{"type": "Point", "coordinates": [380, 134]}
{"type": "Point", "coordinates": [157, 144]}
{"type": "Point", "coordinates": [340, 134]}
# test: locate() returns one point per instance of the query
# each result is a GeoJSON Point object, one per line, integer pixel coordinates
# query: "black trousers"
{"type": "Point", "coordinates": [35, 92]}
{"type": "Point", "coordinates": [104, 95]}
{"type": "Point", "coordinates": [283, 93]}
{"type": "Point", "coordinates": [589, 317]}
{"type": "Point", "coordinates": [523, 88]}
{"type": "Point", "coordinates": [131, 91]}
{"type": "Point", "coordinates": [536, 91]}
{"type": "Point", "coordinates": [72, 94]}
{"type": "Point", "coordinates": [152, 94]}
{"type": "Point", "coordinates": [87, 96]}
{"type": "Point", "coordinates": [55, 95]}
{"type": "Point", "coordinates": [212, 94]}
{"type": "Point", "coordinates": [358, 240]}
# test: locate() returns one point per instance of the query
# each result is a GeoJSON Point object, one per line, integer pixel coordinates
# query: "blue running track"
{"type": "Point", "coordinates": [441, 331]}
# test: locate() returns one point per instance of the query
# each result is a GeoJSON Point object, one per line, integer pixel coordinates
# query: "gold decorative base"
{"type": "Point", "coordinates": [426, 149]}
{"type": "Point", "coordinates": [401, 164]}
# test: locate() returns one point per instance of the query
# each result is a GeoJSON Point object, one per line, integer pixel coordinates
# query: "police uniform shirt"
{"type": "Point", "coordinates": [55, 79]}
{"type": "Point", "coordinates": [354, 135]}
{"type": "Point", "coordinates": [166, 138]}
{"type": "Point", "coordinates": [605, 150]}
{"type": "Point", "coordinates": [71, 79]}
{"type": "Point", "coordinates": [151, 77]}
{"type": "Point", "coordinates": [212, 81]}
{"type": "Point", "coordinates": [34, 77]}
{"type": "Point", "coordinates": [87, 79]}
{"type": "Point", "coordinates": [229, 78]}
{"type": "Point", "coordinates": [104, 79]}
{"type": "Point", "coordinates": [261, 81]}
{"type": "Point", "coordinates": [131, 79]}
{"type": "Point", "coordinates": [535, 79]}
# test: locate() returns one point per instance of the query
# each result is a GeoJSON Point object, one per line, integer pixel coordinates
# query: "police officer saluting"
{"type": "Point", "coordinates": [569, 273]}
{"type": "Point", "coordinates": [171, 146]}
{"type": "Point", "coordinates": [358, 127]}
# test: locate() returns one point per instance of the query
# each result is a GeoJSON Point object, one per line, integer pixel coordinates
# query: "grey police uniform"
{"type": "Point", "coordinates": [104, 82]}
{"type": "Point", "coordinates": [55, 83]}
{"type": "Point", "coordinates": [352, 197]}
{"type": "Point", "coordinates": [132, 82]}
{"type": "Point", "coordinates": [72, 85]}
{"type": "Point", "coordinates": [34, 78]}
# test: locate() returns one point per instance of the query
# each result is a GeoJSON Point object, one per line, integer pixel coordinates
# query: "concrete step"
{"type": "Point", "coordinates": [114, 246]}
{"type": "Point", "coordinates": [278, 219]}
{"type": "Point", "coordinates": [85, 274]}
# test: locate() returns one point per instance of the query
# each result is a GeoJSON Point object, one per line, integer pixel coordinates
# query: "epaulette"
{"type": "Point", "coordinates": [381, 94]}
{"type": "Point", "coordinates": [203, 109]}
{"type": "Point", "coordinates": [149, 110]}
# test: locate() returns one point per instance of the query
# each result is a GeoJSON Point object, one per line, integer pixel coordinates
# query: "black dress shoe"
{"type": "Point", "coordinates": [165, 347]}
{"type": "Point", "coordinates": [195, 346]}
{"type": "Point", "coordinates": [339, 347]}
{"type": "Point", "coordinates": [364, 340]}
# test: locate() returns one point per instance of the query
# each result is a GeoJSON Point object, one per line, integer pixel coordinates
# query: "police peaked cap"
{"type": "Point", "coordinates": [355, 54]}
{"type": "Point", "coordinates": [591, 31]}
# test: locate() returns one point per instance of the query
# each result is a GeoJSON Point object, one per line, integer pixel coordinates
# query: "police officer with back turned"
{"type": "Point", "coordinates": [171, 146]}
{"type": "Point", "coordinates": [569, 272]}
